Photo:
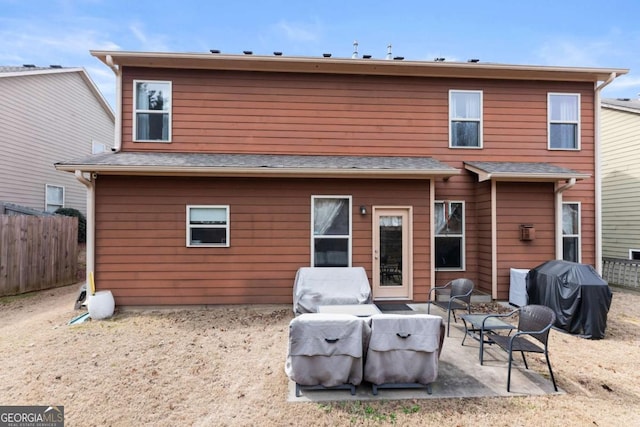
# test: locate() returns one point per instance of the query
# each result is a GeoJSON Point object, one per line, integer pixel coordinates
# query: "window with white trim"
{"type": "Point", "coordinates": [54, 197]}
{"type": "Point", "coordinates": [98, 147]}
{"type": "Point", "coordinates": [571, 231]}
{"type": "Point", "coordinates": [449, 235]}
{"type": "Point", "coordinates": [152, 111]}
{"type": "Point", "coordinates": [465, 119]}
{"type": "Point", "coordinates": [331, 231]}
{"type": "Point", "coordinates": [207, 226]}
{"type": "Point", "coordinates": [634, 254]}
{"type": "Point", "coordinates": [563, 111]}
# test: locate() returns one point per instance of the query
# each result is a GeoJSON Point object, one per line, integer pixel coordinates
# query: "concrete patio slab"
{"type": "Point", "coordinates": [459, 375]}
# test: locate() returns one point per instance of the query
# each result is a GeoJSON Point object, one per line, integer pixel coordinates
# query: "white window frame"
{"type": "Point", "coordinates": [480, 119]}
{"type": "Point", "coordinates": [98, 147]}
{"type": "Point", "coordinates": [227, 227]}
{"type": "Point", "coordinates": [348, 237]}
{"type": "Point", "coordinates": [462, 236]}
{"type": "Point", "coordinates": [169, 112]}
{"type": "Point", "coordinates": [573, 236]}
{"type": "Point", "coordinates": [577, 122]}
{"type": "Point", "coordinates": [632, 252]}
{"type": "Point", "coordinates": [47, 202]}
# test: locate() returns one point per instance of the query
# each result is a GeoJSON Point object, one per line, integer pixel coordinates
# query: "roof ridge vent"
{"type": "Point", "coordinates": [29, 65]}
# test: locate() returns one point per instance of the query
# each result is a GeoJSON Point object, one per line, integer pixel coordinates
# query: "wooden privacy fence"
{"type": "Point", "coordinates": [621, 272]}
{"type": "Point", "coordinates": [37, 252]}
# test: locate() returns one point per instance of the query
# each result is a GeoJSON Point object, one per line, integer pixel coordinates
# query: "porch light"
{"type": "Point", "coordinates": [363, 210]}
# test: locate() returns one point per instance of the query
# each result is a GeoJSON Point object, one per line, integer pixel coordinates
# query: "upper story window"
{"type": "Point", "coordinates": [465, 117]}
{"type": "Point", "coordinates": [54, 197]}
{"type": "Point", "coordinates": [152, 111]}
{"type": "Point", "coordinates": [331, 231]}
{"type": "Point", "coordinates": [98, 147]}
{"type": "Point", "coordinates": [563, 110]}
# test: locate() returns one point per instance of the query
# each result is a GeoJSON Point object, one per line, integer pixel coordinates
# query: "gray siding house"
{"type": "Point", "coordinates": [48, 114]}
{"type": "Point", "coordinates": [620, 127]}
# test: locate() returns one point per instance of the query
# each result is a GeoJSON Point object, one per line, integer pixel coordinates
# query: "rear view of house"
{"type": "Point", "coordinates": [230, 172]}
{"type": "Point", "coordinates": [48, 114]}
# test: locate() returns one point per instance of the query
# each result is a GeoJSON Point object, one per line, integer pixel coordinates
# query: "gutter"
{"type": "Point", "coordinates": [91, 222]}
{"type": "Point", "coordinates": [598, 171]}
{"type": "Point", "coordinates": [117, 143]}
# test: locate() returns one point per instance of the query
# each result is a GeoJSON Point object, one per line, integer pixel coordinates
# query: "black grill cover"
{"type": "Point", "coordinates": [576, 292]}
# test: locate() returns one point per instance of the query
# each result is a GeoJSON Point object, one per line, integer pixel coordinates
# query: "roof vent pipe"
{"type": "Point", "coordinates": [355, 50]}
{"type": "Point", "coordinates": [389, 55]}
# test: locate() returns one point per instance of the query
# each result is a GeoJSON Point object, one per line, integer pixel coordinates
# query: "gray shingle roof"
{"type": "Point", "coordinates": [534, 171]}
{"type": "Point", "coordinates": [623, 104]}
{"type": "Point", "coordinates": [20, 69]}
{"type": "Point", "coordinates": [160, 163]}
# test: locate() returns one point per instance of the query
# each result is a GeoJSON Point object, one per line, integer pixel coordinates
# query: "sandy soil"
{"type": "Point", "coordinates": [224, 366]}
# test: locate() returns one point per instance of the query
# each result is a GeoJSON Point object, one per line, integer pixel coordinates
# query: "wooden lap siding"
{"type": "Point", "coordinates": [140, 228]}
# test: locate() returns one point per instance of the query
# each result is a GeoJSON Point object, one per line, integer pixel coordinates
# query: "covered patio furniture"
{"type": "Point", "coordinates": [532, 336]}
{"type": "Point", "coordinates": [455, 295]}
{"type": "Point", "coordinates": [579, 297]}
{"type": "Point", "coordinates": [403, 351]}
{"type": "Point", "coordinates": [315, 286]}
{"type": "Point", "coordinates": [326, 351]}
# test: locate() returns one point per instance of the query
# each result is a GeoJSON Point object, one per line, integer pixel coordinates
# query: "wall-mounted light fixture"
{"type": "Point", "coordinates": [363, 210]}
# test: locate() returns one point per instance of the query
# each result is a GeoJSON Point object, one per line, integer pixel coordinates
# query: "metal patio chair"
{"type": "Point", "coordinates": [535, 322]}
{"type": "Point", "coordinates": [458, 297]}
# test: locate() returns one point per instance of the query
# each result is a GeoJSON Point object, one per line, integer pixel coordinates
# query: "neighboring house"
{"type": "Point", "coordinates": [232, 171]}
{"type": "Point", "coordinates": [48, 114]}
{"type": "Point", "coordinates": [621, 178]}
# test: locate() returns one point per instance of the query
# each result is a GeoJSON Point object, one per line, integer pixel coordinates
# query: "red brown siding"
{"type": "Point", "coordinates": [142, 258]}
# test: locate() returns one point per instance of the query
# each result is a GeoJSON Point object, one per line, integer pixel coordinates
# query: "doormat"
{"type": "Point", "coordinates": [393, 307]}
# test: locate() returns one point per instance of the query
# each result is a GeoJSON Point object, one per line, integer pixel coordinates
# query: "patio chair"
{"type": "Point", "coordinates": [326, 351]}
{"type": "Point", "coordinates": [535, 321]}
{"type": "Point", "coordinates": [403, 351]}
{"type": "Point", "coordinates": [458, 297]}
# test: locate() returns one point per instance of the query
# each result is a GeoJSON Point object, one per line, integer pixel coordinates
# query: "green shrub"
{"type": "Point", "coordinates": [82, 222]}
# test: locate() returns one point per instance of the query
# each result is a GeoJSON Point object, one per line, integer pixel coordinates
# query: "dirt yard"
{"type": "Point", "coordinates": [224, 366]}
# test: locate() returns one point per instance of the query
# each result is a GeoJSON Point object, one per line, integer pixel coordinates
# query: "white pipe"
{"type": "Point", "coordinates": [559, 192]}
{"type": "Point", "coordinates": [91, 221]}
{"type": "Point", "coordinates": [598, 174]}
{"type": "Point", "coordinates": [494, 240]}
{"type": "Point", "coordinates": [117, 143]}
{"type": "Point", "coordinates": [432, 237]}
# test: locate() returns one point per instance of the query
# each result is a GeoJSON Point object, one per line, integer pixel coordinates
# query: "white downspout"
{"type": "Point", "coordinates": [91, 221]}
{"type": "Point", "coordinates": [559, 191]}
{"type": "Point", "coordinates": [117, 143]}
{"type": "Point", "coordinates": [598, 167]}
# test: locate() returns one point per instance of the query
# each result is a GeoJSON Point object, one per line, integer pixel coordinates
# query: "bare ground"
{"type": "Point", "coordinates": [224, 366]}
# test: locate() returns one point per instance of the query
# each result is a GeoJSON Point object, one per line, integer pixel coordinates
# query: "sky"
{"type": "Point", "coordinates": [581, 33]}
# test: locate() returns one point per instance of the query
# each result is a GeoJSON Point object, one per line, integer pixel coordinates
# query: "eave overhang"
{"type": "Point", "coordinates": [249, 165]}
{"type": "Point", "coordinates": [383, 67]}
{"type": "Point", "coordinates": [522, 172]}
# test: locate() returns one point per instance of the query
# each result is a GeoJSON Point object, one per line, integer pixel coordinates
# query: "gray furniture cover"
{"type": "Point", "coordinates": [326, 350]}
{"type": "Point", "coordinates": [403, 350]}
{"type": "Point", "coordinates": [576, 293]}
{"type": "Point", "coordinates": [329, 286]}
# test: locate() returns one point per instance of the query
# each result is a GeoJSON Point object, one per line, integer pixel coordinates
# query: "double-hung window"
{"type": "Point", "coordinates": [54, 197]}
{"type": "Point", "coordinates": [331, 231]}
{"type": "Point", "coordinates": [571, 231]}
{"type": "Point", "coordinates": [465, 119]}
{"type": "Point", "coordinates": [208, 226]}
{"type": "Point", "coordinates": [152, 111]}
{"type": "Point", "coordinates": [449, 235]}
{"type": "Point", "coordinates": [563, 111]}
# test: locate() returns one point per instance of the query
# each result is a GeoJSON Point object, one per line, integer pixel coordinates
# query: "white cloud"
{"type": "Point", "coordinates": [148, 42]}
{"type": "Point", "coordinates": [299, 32]}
